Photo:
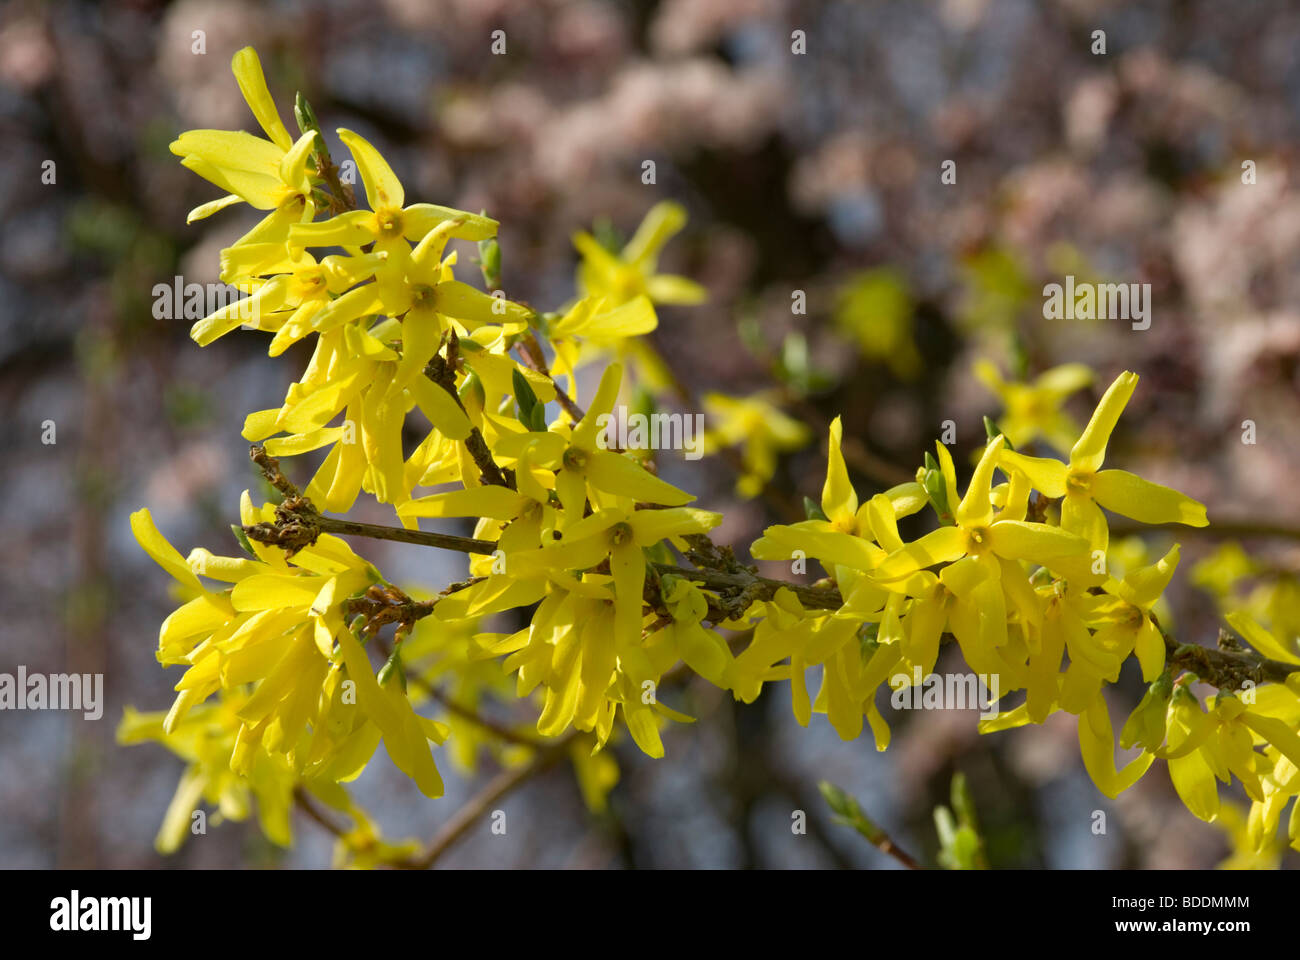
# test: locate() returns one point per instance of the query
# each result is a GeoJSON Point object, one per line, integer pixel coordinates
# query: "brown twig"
{"type": "Point", "coordinates": [1225, 669]}
{"type": "Point", "coordinates": [442, 371]}
{"type": "Point", "coordinates": [496, 729]}
{"type": "Point", "coordinates": [755, 587]}
{"type": "Point", "coordinates": [424, 538]}
{"type": "Point", "coordinates": [530, 351]}
{"type": "Point", "coordinates": [308, 806]}
{"type": "Point", "coordinates": [481, 803]}
{"type": "Point", "coordinates": [298, 523]}
{"type": "Point", "coordinates": [738, 586]}
{"type": "Point", "coordinates": [1244, 527]}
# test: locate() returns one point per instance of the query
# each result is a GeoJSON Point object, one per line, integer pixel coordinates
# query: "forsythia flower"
{"type": "Point", "coordinates": [281, 627]}
{"type": "Point", "coordinates": [280, 701]}
{"type": "Point", "coordinates": [762, 431]}
{"type": "Point", "coordinates": [266, 174]}
{"type": "Point", "coordinates": [875, 309]}
{"type": "Point", "coordinates": [1033, 410]}
{"type": "Point", "coordinates": [205, 739]}
{"type": "Point", "coordinates": [1085, 486]}
{"type": "Point", "coordinates": [631, 273]}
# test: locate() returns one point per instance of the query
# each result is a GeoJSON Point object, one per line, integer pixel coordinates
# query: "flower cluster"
{"type": "Point", "coordinates": [582, 545]}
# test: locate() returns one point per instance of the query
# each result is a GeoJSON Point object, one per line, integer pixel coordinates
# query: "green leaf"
{"type": "Point", "coordinates": [489, 253]}
{"type": "Point", "coordinates": [525, 399]}
{"type": "Point", "coordinates": [960, 845]}
{"type": "Point", "coordinates": [937, 490]}
{"type": "Point", "coordinates": [242, 537]}
{"type": "Point", "coordinates": [813, 511]}
{"type": "Point", "coordinates": [994, 431]}
{"type": "Point", "coordinates": [305, 115]}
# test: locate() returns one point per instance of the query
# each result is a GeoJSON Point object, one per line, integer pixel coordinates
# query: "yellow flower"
{"type": "Point", "coordinates": [589, 668]}
{"type": "Point", "coordinates": [1085, 486]}
{"type": "Point", "coordinates": [1097, 745]}
{"type": "Point", "coordinates": [586, 466]}
{"type": "Point", "coordinates": [594, 326]}
{"type": "Point", "coordinates": [846, 536]}
{"type": "Point", "coordinates": [760, 428]}
{"type": "Point", "coordinates": [621, 277]}
{"type": "Point", "coordinates": [288, 302]}
{"type": "Point", "coordinates": [875, 309]}
{"type": "Point", "coordinates": [266, 174]}
{"type": "Point", "coordinates": [991, 539]}
{"type": "Point", "coordinates": [1033, 410]}
{"type": "Point", "coordinates": [205, 739]}
{"type": "Point", "coordinates": [388, 223]}
{"type": "Point", "coordinates": [281, 627]}
{"type": "Point", "coordinates": [1221, 744]}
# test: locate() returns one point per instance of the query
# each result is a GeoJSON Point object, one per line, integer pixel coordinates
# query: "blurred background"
{"type": "Point", "coordinates": [817, 172]}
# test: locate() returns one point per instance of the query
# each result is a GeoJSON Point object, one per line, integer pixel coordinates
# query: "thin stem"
{"type": "Point", "coordinates": [298, 523]}
{"type": "Point", "coordinates": [531, 352]}
{"type": "Point", "coordinates": [375, 531]}
{"type": "Point", "coordinates": [849, 812]}
{"type": "Point", "coordinates": [496, 729]}
{"type": "Point", "coordinates": [481, 803]}
{"type": "Point", "coordinates": [308, 806]}
{"type": "Point", "coordinates": [1234, 527]}
{"type": "Point", "coordinates": [760, 588]}
{"type": "Point", "coordinates": [442, 371]}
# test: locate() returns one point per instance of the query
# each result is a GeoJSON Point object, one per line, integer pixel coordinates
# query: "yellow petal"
{"type": "Point", "coordinates": [267, 591]}
{"type": "Point", "coordinates": [230, 151]}
{"type": "Point", "coordinates": [350, 229]}
{"type": "Point", "coordinates": [611, 381]}
{"type": "Point", "coordinates": [839, 501]}
{"type": "Point", "coordinates": [293, 168]}
{"type": "Point", "coordinates": [163, 553]}
{"type": "Point", "coordinates": [1131, 496]}
{"type": "Point", "coordinates": [1089, 451]}
{"type": "Point", "coordinates": [975, 508]}
{"type": "Point", "coordinates": [937, 546]}
{"type": "Point", "coordinates": [1150, 649]}
{"type": "Point", "coordinates": [1143, 587]}
{"type": "Point", "coordinates": [1045, 475]}
{"type": "Point", "coordinates": [1097, 745]}
{"type": "Point", "coordinates": [383, 189]}
{"type": "Point", "coordinates": [1080, 515]}
{"type": "Point", "coordinates": [472, 307]}
{"type": "Point", "coordinates": [651, 526]}
{"type": "Point", "coordinates": [1261, 639]}
{"type": "Point", "coordinates": [496, 502]}
{"type": "Point", "coordinates": [205, 210]}
{"type": "Point", "coordinates": [662, 221]}
{"type": "Point", "coordinates": [1021, 540]}
{"type": "Point", "coordinates": [252, 84]}
{"type": "Point", "coordinates": [419, 218]}
{"type": "Point", "coordinates": [614, 473]}
{"type": "Point", "coordinates": [1193, 778]}
{"type": "Point", "coordinates": [671, 289]}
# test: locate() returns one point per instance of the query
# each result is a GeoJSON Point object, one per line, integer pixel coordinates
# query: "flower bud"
{"type": "Point", "coordinates": [1146, 724]}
